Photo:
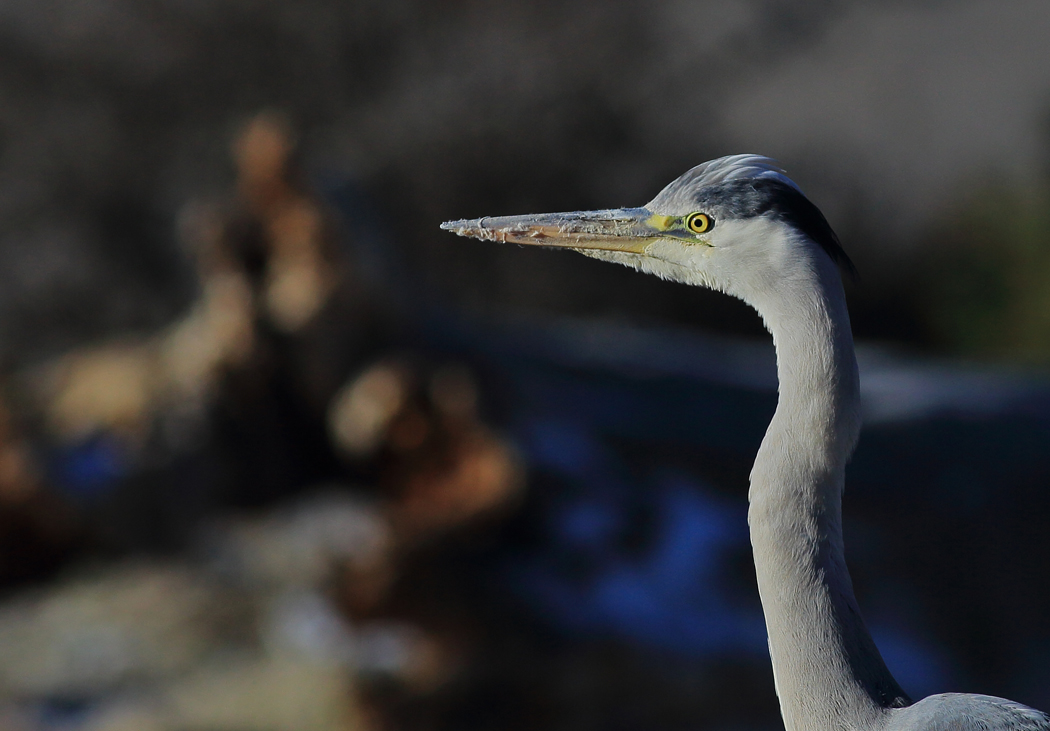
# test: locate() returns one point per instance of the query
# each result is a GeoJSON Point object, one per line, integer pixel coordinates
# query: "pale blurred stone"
{"type": "Point", "coordinates": [89, 635]}
{"type": "Point", "coordinates": [263, 694]}
{"type": "Point", "coordinates": [363, 409]}
{"type": "Point", "coordinates": [109, 387]}
{"type": "Point", "coordinates": [303, 544]}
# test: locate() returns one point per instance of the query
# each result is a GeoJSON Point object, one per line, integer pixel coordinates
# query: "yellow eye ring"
{"type": "Point", "coordinates": [699, 223]}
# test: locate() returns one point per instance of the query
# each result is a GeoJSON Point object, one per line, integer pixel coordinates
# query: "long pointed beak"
{"type": "Point", "coordinates": [620, 229]}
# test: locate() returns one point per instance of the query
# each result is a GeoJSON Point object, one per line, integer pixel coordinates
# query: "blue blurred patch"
{"type": "Point", "coordinates": [89, 469]}
{"type": "Point", "coordinates": [919, 668]}
{"type": "Point", "coordinates": [665, 593]}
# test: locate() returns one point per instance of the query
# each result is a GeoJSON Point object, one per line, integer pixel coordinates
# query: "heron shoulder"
{"type": "Point", "coordinates": [967, 712]}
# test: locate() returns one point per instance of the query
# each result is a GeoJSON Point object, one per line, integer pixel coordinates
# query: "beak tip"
{"type": "Point", "coordinates": [462, 227]}
{"type": "Point", "coordinates": [472, 228]}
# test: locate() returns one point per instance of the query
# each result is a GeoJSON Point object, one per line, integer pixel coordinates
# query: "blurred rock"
{"type": "Point", "coordinates": [441, 466]}
{"type": "Point", "coordinates": [299, 273]}
{"type": "Point", "coordinates": [391, 649]}
{"type": "Point", "coordinates": [92, 634]}
{"type": "Point", "coordinates": [248, 639]}
{"type": "Point", "coordinates": [124, 387]}
{"type": "Point", "coordinates": [268, 694]}
{"type": "Point", "coordinates": [362, 410]}
{"type": "Point", "coordinates": [302, 545]}
{"type": "Point", "coordinates": [226, 404]}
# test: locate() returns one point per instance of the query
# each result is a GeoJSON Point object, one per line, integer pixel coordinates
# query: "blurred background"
{"type": "Point", "coordinates": [276, 454]}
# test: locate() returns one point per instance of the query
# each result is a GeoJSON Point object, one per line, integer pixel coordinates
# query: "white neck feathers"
{"type": "Point", "coordinates": [828, 672]}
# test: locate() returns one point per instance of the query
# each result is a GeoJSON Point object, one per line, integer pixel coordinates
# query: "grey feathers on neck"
{"type": "Point", "coordinates": [786, 203]}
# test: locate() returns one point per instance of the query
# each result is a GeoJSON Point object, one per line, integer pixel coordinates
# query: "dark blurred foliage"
{"type": "Point", "coordinates": [116, 113]}
{"type": "Point", "coordinates": [989, 268]}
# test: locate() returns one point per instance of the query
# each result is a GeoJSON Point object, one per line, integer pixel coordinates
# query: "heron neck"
{"type": "Point", "coordinates": [828, 672]}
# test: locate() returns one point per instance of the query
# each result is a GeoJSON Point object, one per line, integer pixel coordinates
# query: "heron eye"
{"type": "Point", "coordinates": [699, 223]}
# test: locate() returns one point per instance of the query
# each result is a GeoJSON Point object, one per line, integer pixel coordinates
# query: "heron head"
{"type": "Point", "coordinates": [737, 224]}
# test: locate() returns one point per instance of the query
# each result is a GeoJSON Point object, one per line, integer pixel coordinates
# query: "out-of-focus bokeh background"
{"type": "Point", "coordinates": [276, 454]}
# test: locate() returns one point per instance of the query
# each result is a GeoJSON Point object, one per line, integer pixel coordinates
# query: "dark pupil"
{"type": "Point", "coordinates": [698, 222]}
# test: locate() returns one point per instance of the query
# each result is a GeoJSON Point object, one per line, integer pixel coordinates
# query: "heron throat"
{"type": "Point", "coordinates": [828, 672]}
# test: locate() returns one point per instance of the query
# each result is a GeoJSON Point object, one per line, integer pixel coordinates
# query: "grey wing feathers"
{"type": "Point", "coordinates": [967, 712]}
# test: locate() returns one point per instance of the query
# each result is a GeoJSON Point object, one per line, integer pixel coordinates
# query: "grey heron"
{"type": "Point", "coordinates": [739, 225]}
